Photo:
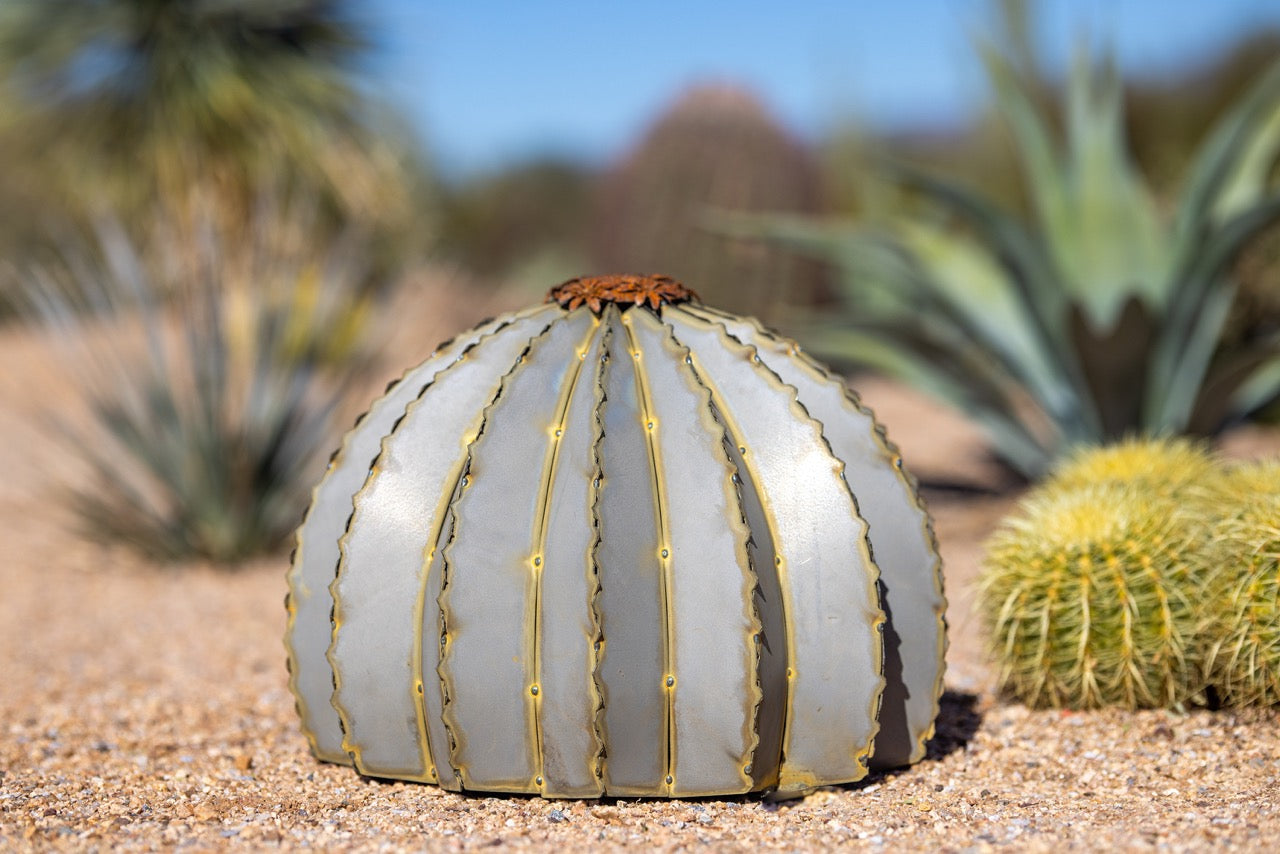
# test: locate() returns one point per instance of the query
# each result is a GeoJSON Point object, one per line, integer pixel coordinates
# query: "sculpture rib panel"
{"type": "Point", "coordinates": [611, 546]}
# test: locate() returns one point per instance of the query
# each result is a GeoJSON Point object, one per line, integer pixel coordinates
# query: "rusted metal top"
{"type": "Point", "coordinates": [623, 290]}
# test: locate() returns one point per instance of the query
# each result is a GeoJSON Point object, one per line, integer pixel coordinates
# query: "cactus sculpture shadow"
{"type": "Point", "coordinates": [617, 544]}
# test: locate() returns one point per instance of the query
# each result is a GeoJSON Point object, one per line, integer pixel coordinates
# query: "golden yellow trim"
{"type": "Point", "coordinates": [354, 750]}
{"type": "Point", "coordinates": [644, 396]}
{"type": "Point", "coordinates": [542, 516]}
{"type": "Point", "coordinates": [801, 779]}
{"type": "Point", "coordinates": [447, 497]}
{"type": "Point", "coordinates": [892, 457]}
{"type": "Point", "coordinates": [683, 362]}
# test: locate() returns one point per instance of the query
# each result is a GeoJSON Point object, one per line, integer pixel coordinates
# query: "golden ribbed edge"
{"type": "Point", "coordinates": [293, 576]}
{"type": "Point", "coordinates": [893, 458]}
{"type": "Point", "coordinates": [751, 737]}
{"type": "Point", "coordinates": [662, 511]}
{"type": "Point", "coordinates": [353, 750]}
{"type": "Point", "coordinates": [452, 726]}
{"type": "Point", "coordinates": [597, 691]}
{"type": "Point", "coordinates": [875, 612]}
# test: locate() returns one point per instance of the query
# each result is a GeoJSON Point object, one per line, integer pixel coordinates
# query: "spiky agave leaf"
{"type": "Point", "coordinates": [204, 421]}
{"type": "Point", "coordinates": [1243, 591]}
{"type": "Point", "coordinates": [1089, 595]}
{"type": "Point", "coordinates": [1096, 316]}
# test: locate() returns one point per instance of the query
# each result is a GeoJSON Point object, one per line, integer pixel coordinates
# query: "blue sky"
{"type": "Point", "coordinates": [486, 83]}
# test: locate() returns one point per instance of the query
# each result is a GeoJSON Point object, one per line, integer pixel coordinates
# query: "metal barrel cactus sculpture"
{"type": "Point", "coordinates": [617, 544]}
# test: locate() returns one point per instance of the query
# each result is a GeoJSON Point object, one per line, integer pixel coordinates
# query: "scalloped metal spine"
{"type": "Point", "coordinates": [892, 458]}
{"type": "Point", "coordinates": [672, 355]}
{"type": "Point", "coordinates": [454, 727]}
{"type": "Point", "coordinates": [634, 612]}
{"type": "Point", "coordinates": [299, 588]}
{"type": "Point", "coordinates": [793, 778]}
{"type": "Point", "coordinates": [445, 490]}
{"type": "Point", "coordinates": [563, 477]}
{"type": "Point", "coordinates": [645, 395]}
{"type": "Point", "coordinates": [593, 580]}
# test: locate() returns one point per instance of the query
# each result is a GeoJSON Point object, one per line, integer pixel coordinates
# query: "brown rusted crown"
{"type": "Point", "coordinates": [623, 290]}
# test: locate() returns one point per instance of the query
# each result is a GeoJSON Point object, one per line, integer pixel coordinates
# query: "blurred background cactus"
{"type": "Point", "coordinates": [200, 104]}
{"type": "Point", "coordinates": [247, 201]}
{"type": "Point", "coordinates": [716, 148]}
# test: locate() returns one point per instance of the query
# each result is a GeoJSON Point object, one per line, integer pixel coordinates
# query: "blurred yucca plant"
{"type": "Point", "coordinates": [201, 103]}
{"type": "Point", "coordinates": [209, 370]}
{"type": "Point", "coordinates": [1097, 318]}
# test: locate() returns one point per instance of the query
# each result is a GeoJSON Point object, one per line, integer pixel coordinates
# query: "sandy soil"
{"type": "Point", "coordinates": [146, 707]}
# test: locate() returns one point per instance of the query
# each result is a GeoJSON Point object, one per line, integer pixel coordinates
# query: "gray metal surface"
{"type": "Point", "coordinates": [492, 593]}
{"type": "Point", "coordinates": [824, 562]}
{"type": "Point", "coordinates": [901, 537]}
{"type": "Point", "coordinates": [315, 557]}
{"type": "Point", "coordinates": [632, 586]}
{"type": "Point", "coordinates": [711, 625]}
{"type": "Point", "coordinates": [378, 592]}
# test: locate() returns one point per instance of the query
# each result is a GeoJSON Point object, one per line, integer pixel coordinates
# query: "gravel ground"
{"type": "Point", "coordinates": [146, 707]}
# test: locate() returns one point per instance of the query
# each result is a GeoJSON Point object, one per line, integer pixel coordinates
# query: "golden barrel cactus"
{"type": "Point", "coordinates": [1242, 600]}
{"type": "Point", "coordinates": [1090, 597]}
{"type": "Point", "coordinates": [617, 544]}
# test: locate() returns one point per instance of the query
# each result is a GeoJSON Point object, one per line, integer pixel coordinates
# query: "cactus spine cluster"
{"type": "Point", "coordinates": [1167, 467]}
{"type": "Point", "coordinates": [1089, 599]}
{"type": "Point", "coordinates": [1144, 574]}
{"type": "Point", "coordinates": [1243, 601]}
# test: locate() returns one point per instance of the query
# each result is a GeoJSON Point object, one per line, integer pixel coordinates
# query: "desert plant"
{"type": "Point", "coordinates": [1242, 601]}
{"type": "Point", "coordinates": [203, 367]}
{"type": "Point", "coordinates": [645, 570]}
{"type": "Point", "coordinates": [1089, 598]}
{"type": "Point", "coordinates": [1171, 467]}
{"type": "Point", "coordinates": [134, 100]}
{"type": "Point", "coordinates": [716, 147]}
{"type": "Point", "coordinates": [1098, 318]}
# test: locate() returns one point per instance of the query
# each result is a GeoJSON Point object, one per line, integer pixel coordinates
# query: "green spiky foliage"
{"type": "Point", "coordinates": [207, 376]}
{"type": "Point", "coordinates": [717, 148]}
{"type": "Point", "coordinates": [1097, 316]}
{"type": "Point", "coordinates": [1089, 598]}
{"type": "Point", "coordinates": [127, 101]}
{"type": "Point", "coordinates": [1243, 593]}
{"type": "Point", "coordinates": [1170, 467]}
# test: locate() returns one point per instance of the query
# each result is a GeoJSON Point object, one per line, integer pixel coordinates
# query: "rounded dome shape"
{"type": "Point", "coordinates": [618, 544]}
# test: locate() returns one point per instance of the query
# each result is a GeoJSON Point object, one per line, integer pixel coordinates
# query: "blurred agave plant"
{"type": "Point", "coordinates": [206, 370]}
{"type": "Point", "coordinates": [1099, 317]}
